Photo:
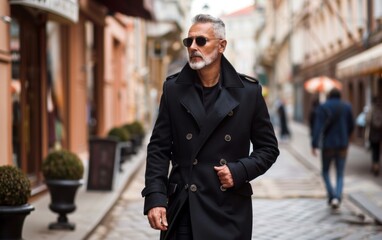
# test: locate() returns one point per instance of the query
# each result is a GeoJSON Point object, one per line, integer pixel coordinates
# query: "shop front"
{"type": "Point", "coordinates": [65, 76]}
{"type": "Point", "coordinates": [362, 73]}
{"type": "Point", "coordinates": [38, 81]}
{"type": "Point", "coordinates": [366, 66]}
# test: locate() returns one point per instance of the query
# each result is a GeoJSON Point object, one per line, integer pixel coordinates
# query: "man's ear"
{"type": "Point", "coordinates": [222, 45]}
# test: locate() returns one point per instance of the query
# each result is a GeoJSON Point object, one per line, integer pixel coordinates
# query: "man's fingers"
{"type": "Point", "coordinates": [157, 218]}
{"type": "Point", "coordinates": [164, 219]}
{"type": "Point", "coordinates": [218, 168]}
{"type": "Point", "coordinates": [224, 175]}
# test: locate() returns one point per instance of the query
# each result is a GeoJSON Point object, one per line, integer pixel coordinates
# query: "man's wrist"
{"type": "Point", "coordinates": [154, 200]}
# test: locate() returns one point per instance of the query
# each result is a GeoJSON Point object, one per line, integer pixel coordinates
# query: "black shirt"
{"type": "Point", "coordinates": [210, 94]}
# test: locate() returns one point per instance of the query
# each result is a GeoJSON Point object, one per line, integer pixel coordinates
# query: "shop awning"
{"type": "Point", "coordinates": [134, 8]}
{"type": "Point", "coordinates": [66, 10]}
{"type": "Point", "coordinates": [367, 62]}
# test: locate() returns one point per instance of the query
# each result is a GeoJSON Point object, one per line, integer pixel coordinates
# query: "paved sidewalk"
{"type": "Point", "coordinates": [92, 206]}
{"type": "Point", "coordinates": [290, 195]}
{"type": "Point", "coordinates": [360, 187]}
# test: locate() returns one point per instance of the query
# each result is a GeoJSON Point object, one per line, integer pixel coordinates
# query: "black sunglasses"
{"type": "Point", "coordinates": [200, 41]}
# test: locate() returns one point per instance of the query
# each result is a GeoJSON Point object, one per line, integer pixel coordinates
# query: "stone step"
{"type": "Point", "coordinates": [366, 203]}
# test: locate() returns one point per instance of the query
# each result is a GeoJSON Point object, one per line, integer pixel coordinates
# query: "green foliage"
{"type": "Point", "coordinates": [135, 128]}
{"type": "Point", "coordinates": [120, 133]}
{"type": "Point", "coordinates": [62, 165]}
{"type": "Point", "coordinates": [15, 188]}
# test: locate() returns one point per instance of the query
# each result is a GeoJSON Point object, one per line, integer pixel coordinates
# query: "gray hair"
{"type": "Point", "coordinates": [217, 24]}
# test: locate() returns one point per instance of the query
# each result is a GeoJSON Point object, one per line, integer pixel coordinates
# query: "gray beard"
{"type": "Point", "coordinates": [205, 62]}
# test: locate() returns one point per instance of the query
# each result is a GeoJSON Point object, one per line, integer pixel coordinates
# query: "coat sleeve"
{"type": "Point", "coordinates": [158, 159]}
{"type": "Point", "coordinates": [265, 146]}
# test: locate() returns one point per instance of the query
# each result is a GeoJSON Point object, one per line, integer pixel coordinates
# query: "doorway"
{"type": "Point", "coordinates": [27, 92]}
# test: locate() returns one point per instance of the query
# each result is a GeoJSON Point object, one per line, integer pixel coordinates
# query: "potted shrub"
{"type": "Point", "coordinates": [63, 172]}
{"type": "Point", "coordinates": [120, 134]}
{"type": "Point", "coordinates": [14, 207]}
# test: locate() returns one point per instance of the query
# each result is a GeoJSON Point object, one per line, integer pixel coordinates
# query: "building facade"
{"type": "Point", "coordinates": [241, 27]}
{"type": "Point", "coordinates": [339, 39]}
{"type": "Point", "coordinates": [71, 70]}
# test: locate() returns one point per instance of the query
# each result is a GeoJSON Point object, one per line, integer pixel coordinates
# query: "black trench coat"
{"type": "Point", "coordinates": [195, 142]}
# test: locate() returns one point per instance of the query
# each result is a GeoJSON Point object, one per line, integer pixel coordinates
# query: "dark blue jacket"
{"type": "Point", "coordinates": [338, 134]}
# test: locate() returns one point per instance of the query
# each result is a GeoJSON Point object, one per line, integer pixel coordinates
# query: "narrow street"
{"type": "Point", "coordinates": [288, 203]}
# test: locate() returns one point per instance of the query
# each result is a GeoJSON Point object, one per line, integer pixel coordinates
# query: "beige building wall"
{"type": "Point", "coordinates": [131, 67]}
{"type": "Point", "coordinates": [241, 26]}
{"type": "Point", "coordinates": [114, 79]}
{"type": "Point", "coordinates": [332, 28]}
{"type": "Point", "coordinates": [77, 90]}
{"type": "Point", "coordinates": [5, 96]}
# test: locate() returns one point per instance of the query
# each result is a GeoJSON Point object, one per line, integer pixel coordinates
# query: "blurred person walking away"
{"type": "Point", "coordinates": [209, 116]}
{"type": "Point", "coordinates": [333, 127]}
{"type": "Point", "coordinates": [373, 133]}
{"type": "Point", "coordinates": [283, 120]}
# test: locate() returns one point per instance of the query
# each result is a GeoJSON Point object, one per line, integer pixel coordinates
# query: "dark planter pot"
{"type": "Point", "coordinates": [63, 193]}
{"type": "Point", "coordinates": [125, 149]}
{"type": "Point", "coordinates": [12, 221]}
{"type": "Point", "coordinates": [137, 142]}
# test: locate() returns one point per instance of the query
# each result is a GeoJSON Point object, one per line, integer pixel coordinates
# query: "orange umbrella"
{"type": "Point", "coordinates": [321, 84]}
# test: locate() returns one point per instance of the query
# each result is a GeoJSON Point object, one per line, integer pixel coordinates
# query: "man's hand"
{"type": "Point", "coordinates": [157, 218]}
{"type": "Point", "coordinates": [225, 176]}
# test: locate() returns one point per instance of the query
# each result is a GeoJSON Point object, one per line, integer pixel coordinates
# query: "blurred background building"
{"type": "Point", "coordinates": [339, 39]}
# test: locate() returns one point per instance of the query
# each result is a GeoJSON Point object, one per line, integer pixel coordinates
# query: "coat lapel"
{"type": "Point", "coordinates": [223, 105]}
{"type": "Point", "coordinates": [192, 102]}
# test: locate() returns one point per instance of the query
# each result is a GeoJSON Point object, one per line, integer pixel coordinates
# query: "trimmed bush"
{"type": "Point", "coordinates": [62, 165]}
{"type": "Point", "coordinates": [15, 188]}
{"type": "Point", "coordinates": [120, 133]}
{"type": "Point", "coordinates": [135, 128]}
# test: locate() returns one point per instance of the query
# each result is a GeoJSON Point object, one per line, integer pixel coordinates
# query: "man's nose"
{"type": "Point", "coordinates": [193, 44]}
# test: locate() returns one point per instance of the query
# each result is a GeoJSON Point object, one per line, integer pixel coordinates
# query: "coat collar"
{"type": "Point", "coordinates": [229, 76]}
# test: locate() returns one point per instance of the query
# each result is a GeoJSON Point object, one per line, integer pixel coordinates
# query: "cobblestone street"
{"type": "Point", "coordinates": [289, 203]}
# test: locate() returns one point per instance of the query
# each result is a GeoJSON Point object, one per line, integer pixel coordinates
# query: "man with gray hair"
{"type": "Point", "coordinates": [208, 116]}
